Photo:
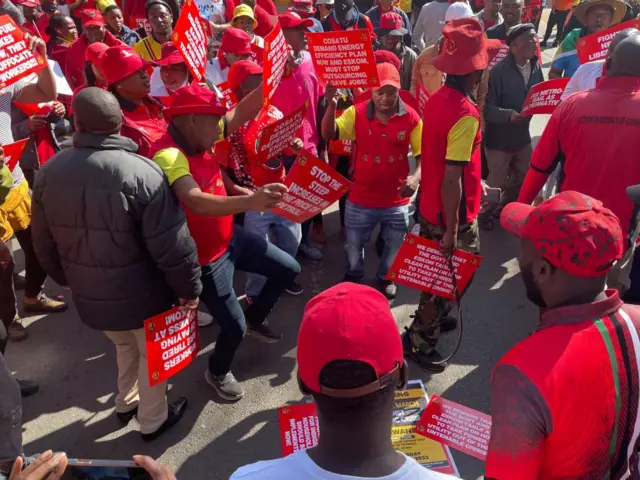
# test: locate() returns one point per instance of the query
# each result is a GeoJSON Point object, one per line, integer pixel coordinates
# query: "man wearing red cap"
{"type": "Point", "coordinates": [234, 46]}
{"type": "Point", "coordinates": [390, 35]}
{"type": "Point", "coordinates": [94, 31]}
{"type": "Point", "coordinates": [195, 177]}
{"type": "Point", "coordinates": [31, 11]}
{"type": "Point", "coordinates": [564, 401]}
{"type": "Point", "coordinates": [386, 7]}
{"type": "Point", "coordinates": [350, 360]}
{"type": "Point", "coordinates": [383, 128]}
{"type": "Point", "coordinates": [451, 180]}
{"type": "Point", "coordinates": [173, 73]}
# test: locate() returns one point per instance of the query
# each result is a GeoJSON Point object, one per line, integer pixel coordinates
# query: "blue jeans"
{"type": "Point", "coordinates": [250, 253]}
{"type": "Point", "coordinates": [285, 235]}
{"type": "Point", "coordinates": [360, 222]}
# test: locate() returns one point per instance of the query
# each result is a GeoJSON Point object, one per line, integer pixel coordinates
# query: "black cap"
{"type": "Point", "coordinates": [515, 32]}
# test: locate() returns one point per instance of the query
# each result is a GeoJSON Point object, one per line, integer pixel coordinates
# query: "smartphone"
{"type": "Point", "coordinates": [493, 195]}
{"type": "Point", "coordinates": [85, 469]}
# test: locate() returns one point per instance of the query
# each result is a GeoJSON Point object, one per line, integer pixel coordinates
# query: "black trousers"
{"type": "Point", "coordinates": [557, 19]}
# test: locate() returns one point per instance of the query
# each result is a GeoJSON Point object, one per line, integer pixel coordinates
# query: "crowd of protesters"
{"type": "Point", "coordinates": [139, 192]}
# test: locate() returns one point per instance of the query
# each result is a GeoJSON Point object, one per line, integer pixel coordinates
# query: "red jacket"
{"type": "Point", "coordinates": [75, 61]}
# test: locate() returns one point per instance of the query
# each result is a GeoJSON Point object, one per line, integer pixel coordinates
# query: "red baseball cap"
{"type": "Point", "coordinates": [572, 231]}
{"type": "Point", "coordinates": [388, 75]}
{"type": "Point", "coordinates": [302, 6]}
{"type": "Point", "coordinates": [119, 62]}
{"type": "Point", "coordinates": [91, 17]}
{"type": "Point", "coordinates": [239, 72]}
{"type": "Point", "coordinates": [385, 56]}
{"type": "Point", "coordinates": [28, 3]}
{"type": "Point", "coordinates": [349, 322]}
{"type": "Point", "coordinates": [293, 20]}
{"type": "Point", "coordinates": [235, 41]}
{"type": "Point", "coordinates": [391, 24]}
{"type": "Point", "coordinates": [194, 99]}
{"type": "Point", "coordinates": [170, 55]}
{"type": "Point", "coordinates": [94, 52]}
{"type": "Point", "coordinates": [464, 49]}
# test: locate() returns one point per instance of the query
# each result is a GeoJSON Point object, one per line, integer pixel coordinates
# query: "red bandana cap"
{"type": "Point", "coordinates": [91, 18]}
{"type": "Point", "coordinates": [119, 62]}
{"type": "Point", "coordinates": [349, 322]}
{"type": "Point", "coordinates": [572, 231]}
{"type": "Point", "coordinates": [385, 56]}
{"type": "Point", "coordinates": [464, 48]}
{"type": "Point", "coordinates": [239, 72]}
{"type": "Point", "coordinates": [195, 100]}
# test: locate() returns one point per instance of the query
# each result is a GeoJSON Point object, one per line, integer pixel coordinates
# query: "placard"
{"type": "Point", "coordinates": [422, 96]}
{"type": "Point", "coordinates": [419, 264]}
{"type": "Point", "coordinates": [230, 98]}
{"type": "Point", "coordinates": [341, 147]}
{"type": "Point", "coordinates": [16, 60]}
{"type": "Point", "coordinates": [456, 426]}
{"type": "Point", "coordinates": [344, 59]}
{"type": "Point", "coordinates": [544, 97]}
{"type": "Point", "coordinates": [313, 186]}
{"type": "Point", "coordinates": [13, 152]}
{"type": "Point", "coordinates": [190, 39]}
{"type": "Point", "coordinates": [595, 46]}
{"type": "Point", "coordinates": [172, 343]}
{"type": "Point", "coordinates": [276, 52]}
{"type": "Point", "coordinates": [497, 52]}
{"type": "Point", "coordinates": [298, 427]}
{"type": "Point", "coordinates": [276, 137]}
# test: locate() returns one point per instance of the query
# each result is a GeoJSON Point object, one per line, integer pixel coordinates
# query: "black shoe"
{"type": "Point", "coordinates": [126, 417]}
{"type": "Point", "coordinates": [294, 289]}
{"type": "Point", "coordinates": [388, 288]}
{"type": "Point", "coordinates": [429, 361]}
{"type": "Point", "coordinates": [543, 44]}
{"type": "Point", "coordinates": [352, 279]}
{"type": "Point", "coordinates": [448, 324]}
{"type": "Point", "coordinates": [27, 387]}
{"type": "Point", "coordinates": [176, 410]}
{"type": "Point", "coordinates": [264, 333]}
{"type": "Point", "coordinates": [18, 282]}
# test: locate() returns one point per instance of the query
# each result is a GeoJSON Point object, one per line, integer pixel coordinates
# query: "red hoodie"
{"type": "Point", "coordinates": [75, 61]}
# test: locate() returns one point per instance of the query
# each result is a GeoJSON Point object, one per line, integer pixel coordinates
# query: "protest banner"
{"type": "Point", "coordinates": [497, 51]}
{"type": "Point", "coordinates": [456, 426]}
{"type": "Point", "coordinates": [419, 264]}
{"type": "Point", "coordinates": [344, 59]}
{"type": "Point", "coordinates": [190, 39]}
{"type": "Point", "coordinates": [16, 60]}
{"type": "Point", "coordinates": [422, 96]}
{"type": "Point", "coordinates": [276, 52]}
{"type": "Point", "coordinates": [172, 343]}
{"type": "Point", "coordinates": [544, 97]}
{"type": "Point", "coordinates": [277, 136]}
{"type": "Point", "coordinates": [298, 427]}
{"type": "Point", "coordinates": [595, 46]}
{"type": "Point", "coordinates": [13, 152]}
{"type": "Point", "coordinates": [341, 147]}
{"type": "Point", "coordinates": [230, 98]}
{"type": "Point", "coordinates": [313, 186]}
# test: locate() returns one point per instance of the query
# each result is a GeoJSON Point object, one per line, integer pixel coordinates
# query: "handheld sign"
{"type": "Point", "coordinates": [13, 152]}
{"type": "Point", "coordinates": [344, 59]}
{"type": "Point", "coordinates": [341, 147]}
{"type": "Point", "coordinates": [456, 426]}
{"type": "Point", "coordinates": [313, 186]}
{"type": "Point", "coordinates": [16, 60]}
{"type": "Point", "coordinates": [595, 46]}
{"type": "Point", "coordinates": [190, 39]}
{"type": "Point", "coordinates": [277, 136]}
{"type": "Point", "coordinates": [496, 51]}
{"type": "Point", "coordinates": [230, 98]}
{"type": "Point", "coordinates": [544, 97]}
{"type": "Point", "coordinates": [422, 96]}
{"type": "Point", "coordinates": [172, 343]}
{"type": "Point", "coordinates": [419, 264]}
{"type": "Point", "coordinates": [276, 52]}
{"type": "Point", "coordinates": [298, 427]}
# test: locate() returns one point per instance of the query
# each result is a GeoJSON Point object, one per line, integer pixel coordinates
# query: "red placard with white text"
{"type": "Point", "coordinates": [313, 186]}
{"type": "Point", "coordinates": [230, 97]}
{"type": "Point", "coordinates": [419, 264]}
{"type": "Point", "coordinates": [298, 427]}
{"type": "Point", "coordinates": [422, 96]}
{"type": "Point", "coordinates": [595, 46]}
{"type": "Point", "coordinates": [457, 426]}
{"type": "Point", "coordinates": [190, 39]}
{"type": "Point", "coordinates": [276, 52]}
{"type": "Point", "coordinates": [344, 59]}
{"type": "Point", "coordinates": [544, 97]}
{"type": "Point", "coordinates": [13, 152]}
{"type": "Point", "coordinates": [497, 53]}
{"type": "Point", "coordinates": [16, 60]}
{"type": "Point", "coordinates": [277, 136]}
{"type": "Point", "coordinates": [341, 147]}
{"type": "Point", "coordinates": [172, 343]}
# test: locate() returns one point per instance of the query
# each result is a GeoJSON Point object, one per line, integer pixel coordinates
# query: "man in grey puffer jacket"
{"type": "Point", "coordinates": [106, 224]}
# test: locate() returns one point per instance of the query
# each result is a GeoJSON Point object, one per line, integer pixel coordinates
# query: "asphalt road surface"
{"type": "Point", "coordinates": [76, 369]}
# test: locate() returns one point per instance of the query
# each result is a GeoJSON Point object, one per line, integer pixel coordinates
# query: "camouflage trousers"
{"type": "Point", "coordinates": [424, 331]}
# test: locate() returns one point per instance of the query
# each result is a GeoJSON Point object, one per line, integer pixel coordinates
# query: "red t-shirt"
{"type": "Point", "coordinates": [144, 124]}
{"type": "Point", "coordinates": [75, 60]}
{"type": "Point", "coordinates": [88, 5]}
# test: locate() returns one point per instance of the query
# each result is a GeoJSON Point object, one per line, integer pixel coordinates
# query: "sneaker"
{"type": "Point", "coordinates": [317, 233]}
{"type": "Point", "coordinates": [294, 289]}
{"type": "Point", "coordinates": [126, 417]}
{"type": "Point", "coordinates": [264, 333]}
{"type": "Point", "coordinates": [388, 288]}
{"type": "Point", "coordinates": [44, 304]}
{"type": "Point", "coordinates": [416, 229]}
{"type": "Point", "coordinates": [27, 387]}
{"type": "Point", "coordinates": [225, 385]}
{"type": "Point", "coordinates": [204, 319]}
{"type": "Point", "coordinates": [448, 324]}
{"type": "Point", "coordinates": [312, 253]}
{"type": "Point", "coordinates": [426, 360]}
{"type": "Point", "coordinates": [175, 412]}
{"type": "Point", "coordinates": [17, 332]}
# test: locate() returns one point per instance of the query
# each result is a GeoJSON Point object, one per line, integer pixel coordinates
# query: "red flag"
{"type": "Point", "coordinates": [13, 152]}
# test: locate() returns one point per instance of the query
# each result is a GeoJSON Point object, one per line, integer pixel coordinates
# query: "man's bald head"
{"type": "Point", "coordinates": [624, 60]}
{"type": "Point", "coordinates": [96, 111]}
{"type": "Point", "coordinates": [620, 36]}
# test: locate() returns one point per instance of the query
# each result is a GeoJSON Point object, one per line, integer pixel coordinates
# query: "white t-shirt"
{"type": "Point", "coordinates": [214, 73]}
{"type": "Point", "coordinates": [299, 466]}
{"type": "Point", "coordinates": [584, 78]}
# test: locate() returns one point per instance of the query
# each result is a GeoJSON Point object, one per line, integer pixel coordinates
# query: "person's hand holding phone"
{"type": "Point", "coordinates": [157, 470]}
{"type": "Point", "coordinates": [46, 466]}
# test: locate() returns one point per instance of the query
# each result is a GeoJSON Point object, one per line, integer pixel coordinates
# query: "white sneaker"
{"type": "Point", "coordinates": [204, 319]}
{"type": "Point", "coordinates": [416, 229]}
